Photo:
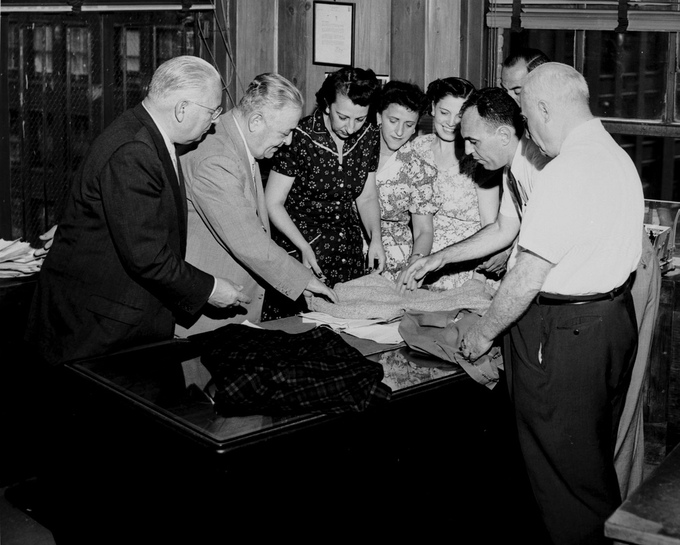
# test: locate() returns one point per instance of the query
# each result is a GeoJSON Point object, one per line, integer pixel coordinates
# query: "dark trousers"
{"type": "Point", "coordinates": [571, 368]}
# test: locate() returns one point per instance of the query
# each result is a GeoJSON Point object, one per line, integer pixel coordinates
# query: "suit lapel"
{"type": "Point", "coordinates": [184, 207]}
{"type": "Point", "coordinates": [259, 195]}
{"type": "Point", "coordinates": [176, 184]}
{"type": "Point", "coordinates": [256, 188]}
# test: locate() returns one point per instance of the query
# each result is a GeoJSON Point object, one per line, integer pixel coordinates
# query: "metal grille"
{"type": "Point", "coordinates": [69, 76]}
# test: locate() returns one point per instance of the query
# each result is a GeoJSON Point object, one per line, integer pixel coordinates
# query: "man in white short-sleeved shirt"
{"type": "Point", "coordinates": [568, 305]}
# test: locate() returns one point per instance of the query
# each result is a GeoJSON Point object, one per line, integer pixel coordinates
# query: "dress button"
{"type": "Point", "coordinates": [344, 260]}
{"type": "Point", "coordinates": [337, 217]}
{"type": "Point", "coordinates": [576, 332]}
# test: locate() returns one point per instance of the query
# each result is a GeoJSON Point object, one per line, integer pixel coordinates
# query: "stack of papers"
{"type": "Point", "coordinates": [377, 330]}
{"type": "Point", "coordinates": [17, 258]}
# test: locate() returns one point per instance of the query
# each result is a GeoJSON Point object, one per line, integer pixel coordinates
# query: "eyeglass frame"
{"type": "Point", "coordinates": [214, 112]}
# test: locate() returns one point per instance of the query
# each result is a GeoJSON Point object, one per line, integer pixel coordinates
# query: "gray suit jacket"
{"type": "Point", "coordinates": [228, 230]}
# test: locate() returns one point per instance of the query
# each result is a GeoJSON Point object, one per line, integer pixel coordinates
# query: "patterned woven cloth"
{"type": "Point", "coordinates": [259, 371]}
{"type": "Point", "coordinates": [373, 296]}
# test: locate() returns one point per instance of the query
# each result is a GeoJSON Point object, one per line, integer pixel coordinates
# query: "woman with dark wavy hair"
{"type": "Point", "coordinates": [462, 200]}
{"type": "Point", "coordinates": [321, 190]}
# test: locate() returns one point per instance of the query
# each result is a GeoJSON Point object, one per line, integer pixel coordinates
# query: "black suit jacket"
{"type": "Point", "coordinates": [116, 271]}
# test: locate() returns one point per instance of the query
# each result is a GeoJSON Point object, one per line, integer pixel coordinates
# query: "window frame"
{"type": "Point", "coordinates": [602, 15]}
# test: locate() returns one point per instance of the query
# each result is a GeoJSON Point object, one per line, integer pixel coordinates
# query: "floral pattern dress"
{"type": "Point", "coordinates": [405, 186]}
{"type": "Point", "coordinates": [321, 201]}
{"type": "Point", "coordinates": [456, 210]}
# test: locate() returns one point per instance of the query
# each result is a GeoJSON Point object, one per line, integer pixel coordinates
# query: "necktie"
{"type": "Point", "coordinates": [513, 186]}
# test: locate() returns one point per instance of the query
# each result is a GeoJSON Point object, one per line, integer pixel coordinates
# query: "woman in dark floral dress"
{"type": "Point", "coordinates": [321, 190]}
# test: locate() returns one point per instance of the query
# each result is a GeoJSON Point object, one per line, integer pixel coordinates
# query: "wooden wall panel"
{"type": "Point", "coordinates": [224, 46]}
{"type": "Point", "coordinates": [372, 44]}
{"type": "Point", "coordinates": [295, 42]}
{"type": "Point", "coordinates": [442, 40]}
{"type": "Point", "coordinates": [411, 40]}
{"type": "Point", "coordinates": [408, 41]}
{"type": "Point", "coordinates": [256, 40]}
{"type": "Point", "coordinates": [474, 42]}
{"type": "Point", "coordinates": [296, 24]}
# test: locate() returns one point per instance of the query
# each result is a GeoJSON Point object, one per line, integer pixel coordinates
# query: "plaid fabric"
{"type": "Point", "coordinates": [259, 371]}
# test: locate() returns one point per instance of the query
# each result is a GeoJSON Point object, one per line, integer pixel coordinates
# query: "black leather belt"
{"type": "Point", "coordinates": [556, 299]}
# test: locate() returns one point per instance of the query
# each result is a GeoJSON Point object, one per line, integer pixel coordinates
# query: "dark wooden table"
{"type": "Point", "coordinates": [150, 379]}
{"type": "Point", "coordinates": [439, 459]}
{"type": "Point", "coordinates": [651, 515]}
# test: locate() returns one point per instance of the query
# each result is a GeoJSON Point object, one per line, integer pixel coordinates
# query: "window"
{"type": "Point", "coordinates": [130, 50]}
{"type": "Point", "coordinates": [60, 95]}
{"type": "Point", "coordinates": [166, 45]}
{"type": "Point", "coordinates": [79, 51]}
{"type": "Point", "coordinates": [628, 54]}
{"type": "Point", "coordinates": [13, 52]}
{"type": "Point", "coordinates": [43, 45]}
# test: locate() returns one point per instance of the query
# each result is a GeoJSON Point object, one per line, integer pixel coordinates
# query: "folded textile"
{"type": "Point", "coordinates": [375, 330]}
{"type": "Point", "coordinates": [260, 371]}
{"type": "Point", "coordinates": [374, 296]}
{"type": "Point", "coordinates": [439, 334]}
{"type": "Point", "coordinates": [17, 258]}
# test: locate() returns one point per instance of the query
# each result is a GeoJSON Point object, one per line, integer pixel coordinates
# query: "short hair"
{"type": "Point", "coordinates": [182, 73]}
{"type": "Point", "coordinates": [270, 90]}
{"type": "Point", "coordinates": [496, 108]}
{"type": "Point", "coordinates": [532, 57]}
{"type": "Point", "coordinates": [559, 83]}
{"type": "Point", "coordinates": [455, 87]}
{"type": "Point", "coordinates": [361, 86]}
{"type": "Point", "coordinates": [405, 94]}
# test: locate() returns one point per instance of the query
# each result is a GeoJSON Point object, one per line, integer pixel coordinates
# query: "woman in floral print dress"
{"type": "Point", "coordinates": [321, 193]}
{"type": "Point", "coordinates": [406, 206]}
{"type": "Point", "coordinates": [462, 200]}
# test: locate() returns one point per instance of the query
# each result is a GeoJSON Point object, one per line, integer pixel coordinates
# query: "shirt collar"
{"type": "Point", "coordinates": [581, 131]}
{"type": "Point", "coordinates": [319, 127]}
{"type": "Point", "coordinates": [168, 143]}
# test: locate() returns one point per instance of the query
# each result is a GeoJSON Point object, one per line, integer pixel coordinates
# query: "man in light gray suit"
{"type": "Point", "coordinates": [228, 229]}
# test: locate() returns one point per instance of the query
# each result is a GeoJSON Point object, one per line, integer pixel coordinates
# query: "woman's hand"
{"type": "Point", "coordinates": [376, 252]}
{"type": "Point", "coordinates": [309, 261]}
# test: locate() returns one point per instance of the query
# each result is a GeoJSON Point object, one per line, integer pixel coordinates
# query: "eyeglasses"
{"type": "Point", "coordinates": [214, 113]}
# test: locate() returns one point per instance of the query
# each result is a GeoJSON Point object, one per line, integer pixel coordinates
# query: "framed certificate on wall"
{"type": "Point", "coordinates": [333, 42]}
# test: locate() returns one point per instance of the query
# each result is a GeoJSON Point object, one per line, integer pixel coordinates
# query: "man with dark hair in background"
{"type": "Point", "coordinates": [516, 67]}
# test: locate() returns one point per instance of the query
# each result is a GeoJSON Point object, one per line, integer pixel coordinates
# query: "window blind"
{"type": "Point", "coordinates": [57, 6]}
{"type": "Point", "coordinates": [621, 15]}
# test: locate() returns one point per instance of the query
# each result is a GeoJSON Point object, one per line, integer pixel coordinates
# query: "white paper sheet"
{"type": "Point", "coordinates": [379, 331]}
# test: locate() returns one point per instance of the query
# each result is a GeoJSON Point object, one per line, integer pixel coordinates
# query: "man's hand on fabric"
{"type": "Point", "coordinates": [474, 345]}
{"type": "Point", "coordinates": [227, 294]}
{"type": "Point", "coordinates": [317, 287]}
{"type": "Point", "coordinates": [412, 278]}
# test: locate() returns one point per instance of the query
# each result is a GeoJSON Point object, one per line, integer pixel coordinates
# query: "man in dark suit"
{"type": "Point", "coordinates": [115, 276]}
